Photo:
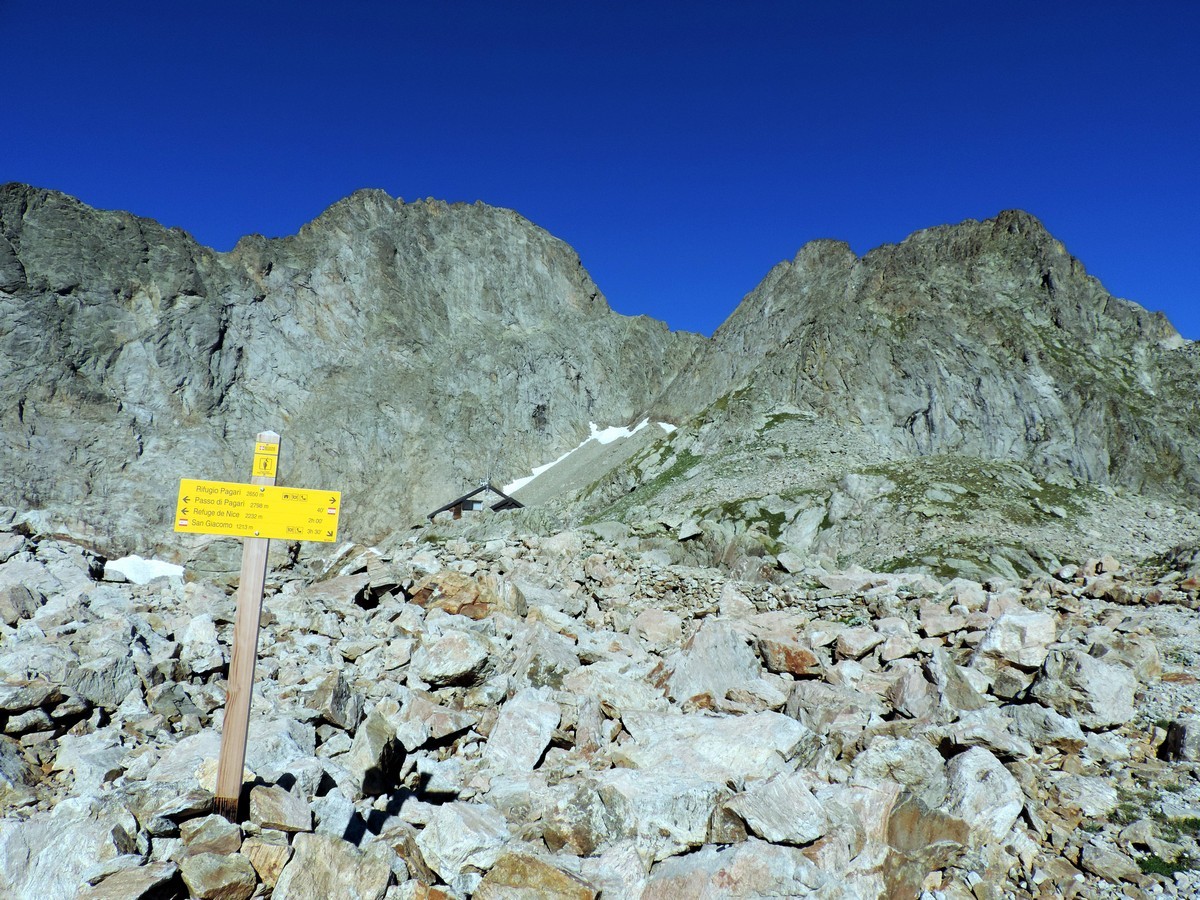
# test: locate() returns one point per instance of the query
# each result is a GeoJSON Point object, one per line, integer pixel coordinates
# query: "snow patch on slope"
{"type": "Point", "coordinates": [597, 434]}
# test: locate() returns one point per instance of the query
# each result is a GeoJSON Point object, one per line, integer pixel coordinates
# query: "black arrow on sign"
{"type": "Point", "coordinates": [332, 500]}
{"type": "Point", "coordinates": [187, 499]}
{"type": "Point", "coordinates": [329, 534]}
{"type": "Point", "coordinates": [183, 512]}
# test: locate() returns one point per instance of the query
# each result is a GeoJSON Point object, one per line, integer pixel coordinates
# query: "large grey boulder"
{"type": "Point", "coordinates": [137, 882]}
{"type": "Point", "coordinates": [274, 807]}
{"type": "Point", "coordinates": [105, 680]}
{"type": "Point", "coordinates": [579, 822]}
{"type": "Point", "coordinates": [782, 810]}
{"type": "Point", "coordinates": [955, 687]}
{"type": "Point", "coordinates": [990, 729]}
{"type": "Point", "coordinates": [210, 834]}
{"type": "Point", "coordinates": [544, 658]}
{"type": "Point", "coordinates": [523, 731]}
{"type": "Point", "coordinates": [218, 876]}
{"type": "Point", "coordinates": [274, 745]}
{"type": "Point", "coordinates": [336, 701]}
{"type": "Point", "coordinates": [92, 760]}
{"type": "Point", "coordinates": [525, 875]}
{"type": "Point", "coordinates": [1092, 795]}
{"type": "Point", "coordinates": [324, 866]}
{"type": "Point", "coordinates": [1095, 693]}
{"type": "Point", "coordinates": [620, 684]}
{"type": "Point", "coordinates": [665, 812]}
{"type": "Point", "coordinates": [1021, 637]}
{"type": "Point", "coordinates": [1104, 860]}
{"type": "Point", "coordinates": [16, 774]}
{"type": "Point", "coordinates": [913, 763]}
{"type": "Point", "coordinates": [47, 854]}
{"type": "Point", "coordinates": [723, 749]}
{"type": "Point", "coordinates": [462, 840]}
{"type": "Point", "coordinates": [715, 660]}
{"type": "Point", "coordinates": [827, 709]}
{"type": "Point", "coordinates": [981, 792]}
{"type": "Point", "coordinates": [455, 657]}
{"type": "Point", "coordinates": [18, 602]}
{"type": "Point", "coordinates": [757, 868]}
{"type": "Point", "coordinates": [200, 651]}
{"type": "Point", "coordinates": [374, 759]}
{"type": "Point", "coordinates": [1044, 727]}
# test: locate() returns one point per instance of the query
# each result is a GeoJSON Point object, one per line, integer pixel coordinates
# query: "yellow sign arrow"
{"type": "Point", "coordinates": [248, 510]}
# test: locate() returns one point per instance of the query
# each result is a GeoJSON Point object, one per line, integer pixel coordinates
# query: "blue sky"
{"type": "Point", "coordinates": [682, 148]}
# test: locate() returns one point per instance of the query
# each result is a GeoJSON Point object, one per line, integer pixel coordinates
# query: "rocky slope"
{"type": "Point", "coordinates": [760, 492]}
{"type": "Point", "coordinates": [572, 716]}
{"type": "Point", "coordinates": [969, 400]}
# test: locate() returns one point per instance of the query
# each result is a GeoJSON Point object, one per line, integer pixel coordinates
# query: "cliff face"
{"type": "Point", "coordinates": [403, 351]}
{"type": "Point", "coordinates": [407, 350]}
{"type": "Point", "coordinates": [985, 338]}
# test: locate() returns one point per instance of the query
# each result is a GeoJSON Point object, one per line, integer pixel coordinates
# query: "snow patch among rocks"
{"type": "Point", "coordinates": [141, 571]}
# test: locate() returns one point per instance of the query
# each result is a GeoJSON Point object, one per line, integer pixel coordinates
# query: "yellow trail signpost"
{"type": "Point", "coordinates": [257, 512]}
{"type": "Point", "coordinates": [248, 510]}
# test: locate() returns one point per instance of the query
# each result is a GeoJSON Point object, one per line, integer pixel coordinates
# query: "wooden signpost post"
{"type": "Point", "coordinates": [257, 512]}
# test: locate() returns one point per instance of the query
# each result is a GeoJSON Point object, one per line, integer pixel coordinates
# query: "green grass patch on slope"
{"type": "Point", "coordinates": [645, 493]}
{"type": "Point", "coordinates": [960, 487]}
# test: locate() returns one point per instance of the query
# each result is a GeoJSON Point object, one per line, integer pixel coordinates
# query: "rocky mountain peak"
{"type": "Point", "coordinates": [404, 350]}
{"type": "Point", "coordinates": [981, 341]}
{"type": "Point", "coordinates": [361, 211]}
{"type": "Point", "coordinates": [407, 350]}
{"type": "Point", "coordinates": [457, 262]}
{"type": "Point", "coordinates": [1017, 221]}
{"type": "Point", "coordinates": [824, 253]}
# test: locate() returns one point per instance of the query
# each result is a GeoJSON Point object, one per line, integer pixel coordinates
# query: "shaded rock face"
{"type": "Point", "coordinates": [402, 350]}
